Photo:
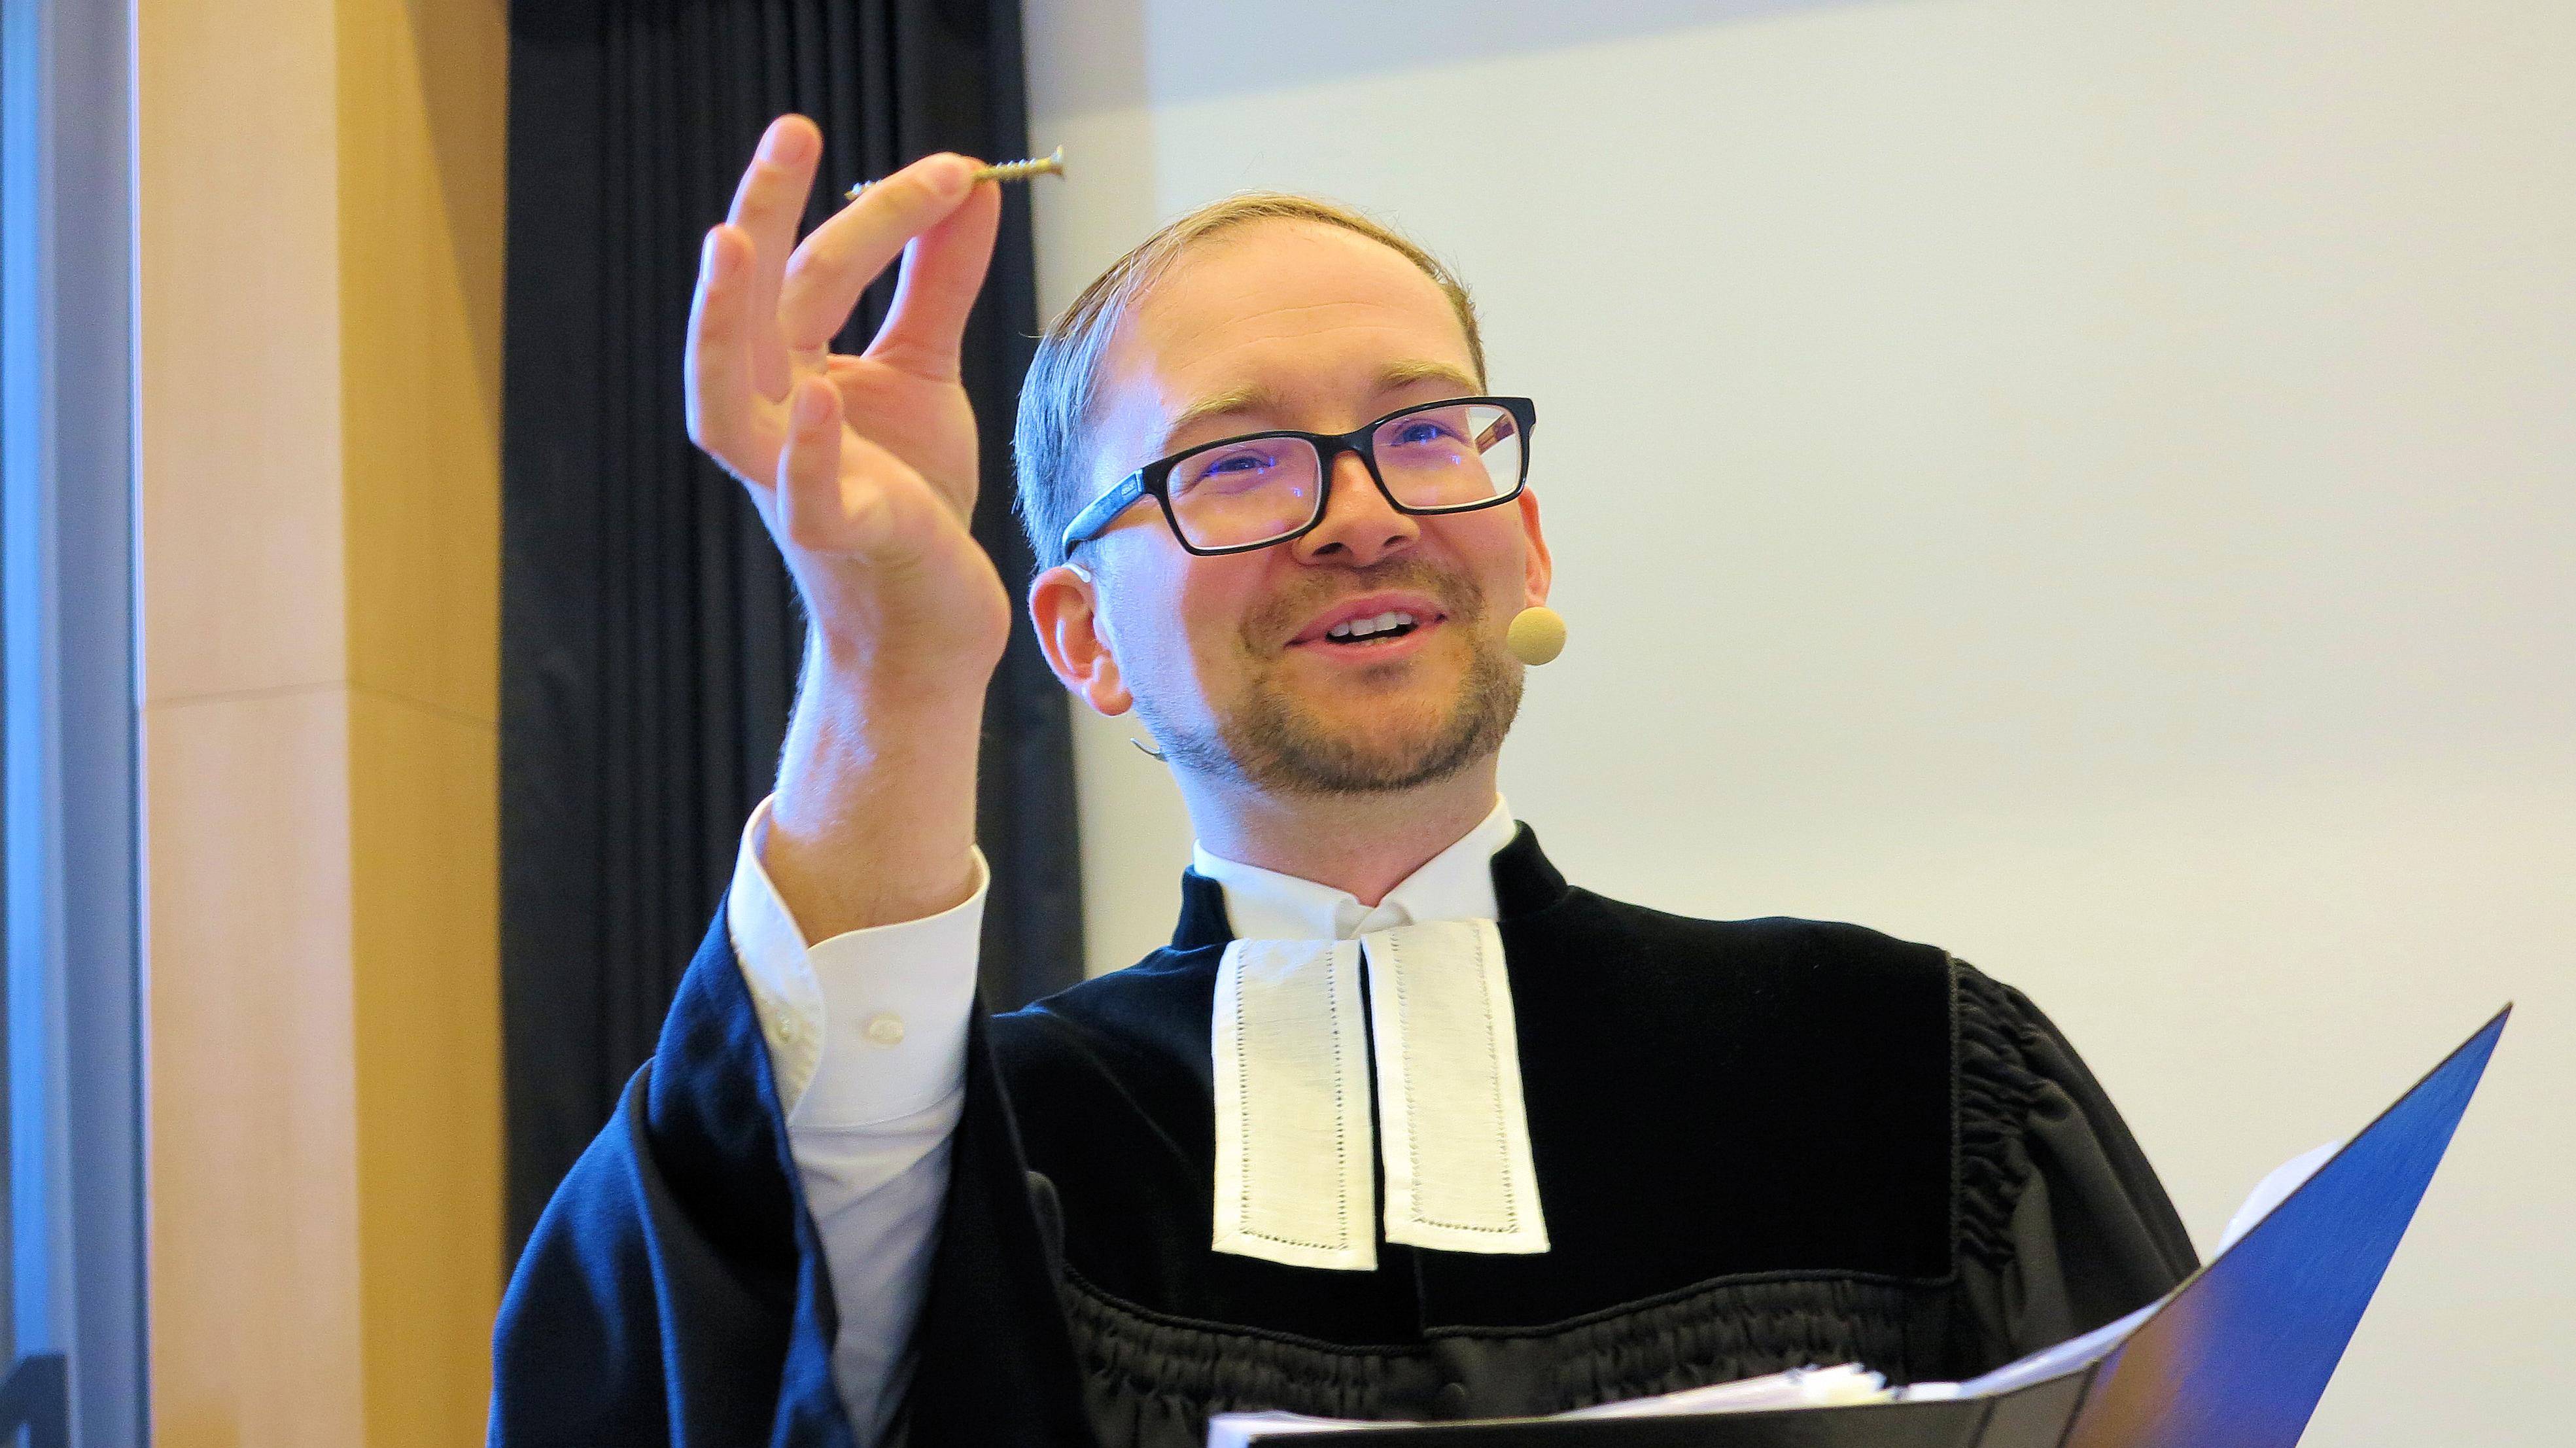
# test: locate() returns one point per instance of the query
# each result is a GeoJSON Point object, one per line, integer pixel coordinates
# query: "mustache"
{"type": "Point", "coordinates": [1281, 617]}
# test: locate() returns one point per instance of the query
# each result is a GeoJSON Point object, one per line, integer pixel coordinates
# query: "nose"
{"type": "Point", "coordinates": [1360, 526]}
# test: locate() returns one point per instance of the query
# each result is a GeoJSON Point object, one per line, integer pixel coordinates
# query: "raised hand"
{"type": "Point", "coordinates": [865, 470]}
{"type": "Point", "coordinates": [863, 467]}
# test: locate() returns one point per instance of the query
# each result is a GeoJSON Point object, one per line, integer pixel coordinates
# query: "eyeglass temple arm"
{"type": "Point", "coordinates": [1087, 524]}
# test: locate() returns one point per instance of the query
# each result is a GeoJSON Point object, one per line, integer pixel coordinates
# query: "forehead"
{"type": "Point", "coordinates": [1305, 311]}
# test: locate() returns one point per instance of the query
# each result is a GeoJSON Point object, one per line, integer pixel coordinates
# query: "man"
{"type": "Point", "coordinates": [1401, 1125]}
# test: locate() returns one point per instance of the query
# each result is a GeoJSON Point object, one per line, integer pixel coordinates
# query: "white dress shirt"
{"type": "Point", "coordinates": [867, 1042]}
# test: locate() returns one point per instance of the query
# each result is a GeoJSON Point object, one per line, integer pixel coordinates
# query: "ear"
{"type": "Point", "coordinates": [1538, 570]}
{"type": "Point", "coordinates": [1064, 604]}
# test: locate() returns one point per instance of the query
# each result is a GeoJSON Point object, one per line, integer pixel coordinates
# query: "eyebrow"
{"type": "Point", "coordinates": [1410, 371]}
{"type": "Point", "coordinates": [1230, 402]}
{"type": "Point", "coordinates": [1253, 397]}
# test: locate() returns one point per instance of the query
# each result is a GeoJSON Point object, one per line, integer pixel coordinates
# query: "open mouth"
{"type": "Point", "coordinates": [1376, 629]}
{"type": "Point", "coordinates": [1390, 621]}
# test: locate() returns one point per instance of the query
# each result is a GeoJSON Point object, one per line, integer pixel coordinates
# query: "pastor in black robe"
{"type": "Point", "coordinates": [1759, 1144]}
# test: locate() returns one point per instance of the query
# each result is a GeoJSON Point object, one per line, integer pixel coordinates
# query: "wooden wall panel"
{"type": "Point", "coordinates": [255, 1327]}
{"type": "Point", "coordinates": [320, 245]}
{"type": "Point", "coordinates": [239, 327]}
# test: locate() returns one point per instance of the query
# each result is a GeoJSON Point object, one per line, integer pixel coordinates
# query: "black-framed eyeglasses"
{"type": "Point", "coordinates": [1242, 493]}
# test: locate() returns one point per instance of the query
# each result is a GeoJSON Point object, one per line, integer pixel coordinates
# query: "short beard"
{"type": "Point", "coordinates": [1272, 745]}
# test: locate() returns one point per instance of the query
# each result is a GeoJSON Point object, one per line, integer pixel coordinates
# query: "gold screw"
{"type": "Point", "coordinates": [1048, 165]}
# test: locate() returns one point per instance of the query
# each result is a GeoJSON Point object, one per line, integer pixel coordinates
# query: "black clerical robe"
{"type": "Point", "coordinates": [1758, 1144]}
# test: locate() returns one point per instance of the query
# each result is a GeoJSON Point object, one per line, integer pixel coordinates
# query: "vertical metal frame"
{"type": "Point", "coordinates": [67, 647]}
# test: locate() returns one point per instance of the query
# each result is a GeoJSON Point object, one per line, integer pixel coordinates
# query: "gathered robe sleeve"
{"type": "Point", "coordinates": [2063, 1224]}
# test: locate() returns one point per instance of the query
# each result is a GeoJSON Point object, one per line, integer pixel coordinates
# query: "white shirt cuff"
{"type": "Point", "coordinates": [869, 1025]}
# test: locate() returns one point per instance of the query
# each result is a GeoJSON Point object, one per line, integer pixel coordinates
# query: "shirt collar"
{"type": "Point", "coordinates": [1456, 884]}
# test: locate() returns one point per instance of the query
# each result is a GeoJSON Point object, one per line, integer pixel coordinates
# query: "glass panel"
{"type": "Point", "coordinates": [73, 1015]}
{"type": "Point", "coordinates": [11, 163]}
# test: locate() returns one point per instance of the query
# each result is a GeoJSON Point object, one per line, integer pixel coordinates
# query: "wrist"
{"type": "Point", "coordinates": [894, 638]}
{"type": "Point", "coordinates": [888, 694]}
{"type": "Point", "coordinates": [873, 821]}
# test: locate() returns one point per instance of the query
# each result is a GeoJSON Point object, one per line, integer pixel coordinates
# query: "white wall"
{"type": "Point", "coordinates": [2092, 485]}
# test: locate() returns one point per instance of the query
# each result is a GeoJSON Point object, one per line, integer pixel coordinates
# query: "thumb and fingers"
{"type": "Point", "coordinates": [845, 253]}
{"type": "Point", "coordinates": [882, 561]}
{"type": "Point", "coordinates": [728, 415]}
{"type": "Point", "coordinates": [902, 399]}
{"type": "Point", "coordinates": [888, 576]}
{"type": "Point", "coordinates": [768, 207]}
{"type": "Point", "coordinates": [841, 495]}
{"type": "Point", "coordinates": [813, 512]}
{"type": "Point", "coordinates": [736, 367]}
{"type": "Point", "coordinates": [943, 270]}
{"type": "Point", "coordinates": [763, 301]}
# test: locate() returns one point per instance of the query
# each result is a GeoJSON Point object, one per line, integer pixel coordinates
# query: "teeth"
{"type": "Point", "coordinates": [1361, 628]}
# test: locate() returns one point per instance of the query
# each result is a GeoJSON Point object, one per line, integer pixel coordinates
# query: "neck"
{"type": "Point", "coordinates": [1365, 844]}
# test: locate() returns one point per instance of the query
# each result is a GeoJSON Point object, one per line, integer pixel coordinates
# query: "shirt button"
{"type": "Point", "coordinates": [886, 1029]}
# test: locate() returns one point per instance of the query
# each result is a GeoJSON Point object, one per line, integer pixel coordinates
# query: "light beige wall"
{"type": "Point", "coordinates": [319, 422]}
{"type": "Point", "coordinates": [2088, 484]}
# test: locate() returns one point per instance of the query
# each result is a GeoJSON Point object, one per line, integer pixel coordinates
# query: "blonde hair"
{"type": "Point", "coordinates": [1051, 445]}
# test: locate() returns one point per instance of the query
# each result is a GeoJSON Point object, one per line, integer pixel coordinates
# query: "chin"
{"type": "Point", "coordinates": [1378, 744]}
{"type": "Point", "coordinates": [1347, 731]}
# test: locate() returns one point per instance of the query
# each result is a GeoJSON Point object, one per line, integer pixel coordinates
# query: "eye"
{"type": "Point", "coordinates": [1230, 469]}
{"type": "Point", "coordinates": [1237, 464]}
{"type": "Point", "coordinates": [1423, 430]}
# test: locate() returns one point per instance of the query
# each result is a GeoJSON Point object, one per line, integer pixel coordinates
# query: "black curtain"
{"type": "Point", "coordinates": [650, 637]}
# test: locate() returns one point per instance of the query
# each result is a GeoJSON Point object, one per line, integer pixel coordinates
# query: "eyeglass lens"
{"type": "Point", "coordinates": [1447, 455]}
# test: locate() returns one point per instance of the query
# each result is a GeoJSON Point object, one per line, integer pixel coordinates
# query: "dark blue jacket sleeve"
{"type": "Point", "coordinates": [675, 1292]}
